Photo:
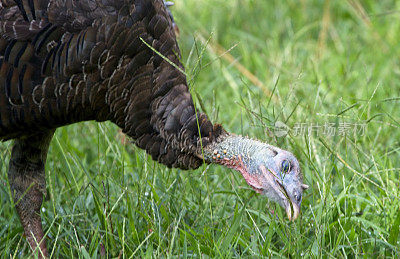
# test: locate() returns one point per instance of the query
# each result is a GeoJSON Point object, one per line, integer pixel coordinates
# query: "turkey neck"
{"type": "Point", "coordinates": [236, 152]}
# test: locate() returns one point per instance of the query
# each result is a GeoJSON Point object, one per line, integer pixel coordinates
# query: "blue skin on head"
{"type": "Point", "coordinates": [269, 170]}
{"type": "Point", "coordinates": [276, 174]}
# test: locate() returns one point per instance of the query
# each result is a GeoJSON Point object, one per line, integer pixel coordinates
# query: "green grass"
{"type": "Point", "coordinates": [325, 63]}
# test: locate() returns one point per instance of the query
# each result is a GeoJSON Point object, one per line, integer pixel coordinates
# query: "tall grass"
{"type": "Point", "coordinates": [309, 64]}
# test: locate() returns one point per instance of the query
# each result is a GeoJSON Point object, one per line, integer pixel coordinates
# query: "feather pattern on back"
{"type": "Point", "coordinates": [65, 61]}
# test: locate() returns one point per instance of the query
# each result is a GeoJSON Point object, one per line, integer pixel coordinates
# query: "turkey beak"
{"type": "Point", "coordinates": [296, 211]}
{"type": "Point", "coordinates": [291, 208]}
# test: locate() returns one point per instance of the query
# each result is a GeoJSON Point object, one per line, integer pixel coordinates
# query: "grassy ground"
{"type": "Point", "coordinates": [328, 67]}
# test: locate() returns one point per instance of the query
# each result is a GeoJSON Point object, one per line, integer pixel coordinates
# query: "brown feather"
{"type": "Point", "coordinates": [66, 61]}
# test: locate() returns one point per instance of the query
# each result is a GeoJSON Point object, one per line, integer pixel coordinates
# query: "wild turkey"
{"type": "Point", "coordinates": [66, 61]}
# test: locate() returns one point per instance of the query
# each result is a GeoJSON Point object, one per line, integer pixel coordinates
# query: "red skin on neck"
{"type": "Point", "coordinates": [237, 164]}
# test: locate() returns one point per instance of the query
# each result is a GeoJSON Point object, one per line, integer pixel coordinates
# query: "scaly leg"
{"type": "Point", "coordinates": [26, 176]}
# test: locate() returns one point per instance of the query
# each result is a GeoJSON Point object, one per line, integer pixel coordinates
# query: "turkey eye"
{"type": "Point", "coordinates": [297, 198]}
{"type": "Point", "coordinates": [285, 166]}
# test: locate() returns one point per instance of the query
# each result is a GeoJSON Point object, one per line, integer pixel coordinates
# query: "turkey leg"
{"type": "Point", "coordinates": [26, 176]}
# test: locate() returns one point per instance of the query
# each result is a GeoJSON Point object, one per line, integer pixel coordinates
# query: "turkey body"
{"type": "Point", "coordinates": [94, 60]}
{"type": "Point", "coordinates": [66, 61]}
